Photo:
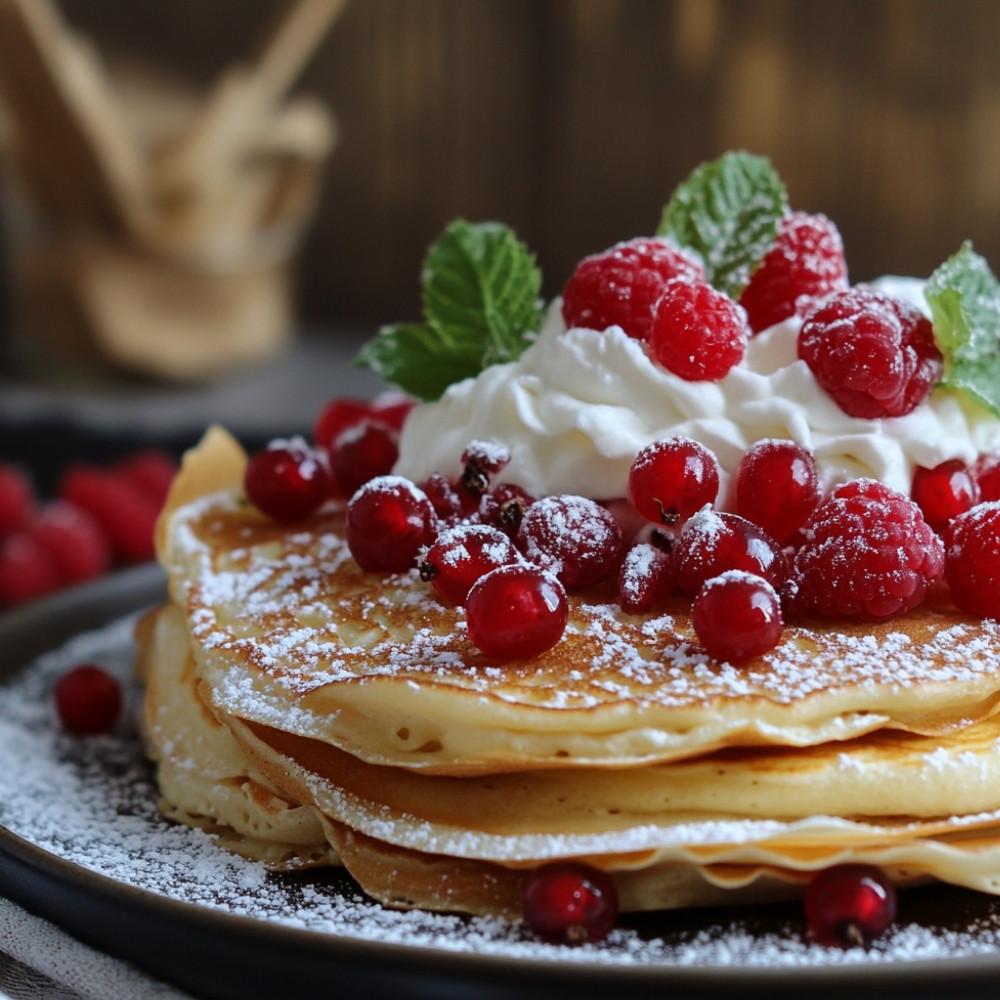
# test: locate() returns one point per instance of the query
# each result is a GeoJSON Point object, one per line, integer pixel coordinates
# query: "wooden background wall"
{"type": "Point", "coordinates": [573, 119]}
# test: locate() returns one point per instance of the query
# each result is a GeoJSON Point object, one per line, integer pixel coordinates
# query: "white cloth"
{"type": "Point", "coordinates": [38, 961]}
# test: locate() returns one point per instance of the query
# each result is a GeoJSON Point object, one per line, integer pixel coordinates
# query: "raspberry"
{"type": "Point", "coordinates": [972, 568]}
{"type": "Point", "coordinates": [874, 354]}
{"type": "Point", "coordinates": [620, 286]}
{"type": "Point", "coordinates": [868, 553]}
{"type": "Point", "coordinates": [697, 333]}
{"type": "Point", "coordinates": [17, 497]}
{"type": "Point", "coordinates": [126, 515]}
{"type": "Point", "coordinates": [805, 265]}
{"type": "Point", "coordinates": [73, 539]}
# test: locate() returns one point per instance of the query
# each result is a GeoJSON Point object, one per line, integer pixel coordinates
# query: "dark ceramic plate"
{"type": "Point", "coordinates": [215, 954]}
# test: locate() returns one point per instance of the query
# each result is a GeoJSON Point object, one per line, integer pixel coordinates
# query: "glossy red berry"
{"type": "Point", "coordinates": [366, 449]}
{"type": "Point", "coordinates": [712, 542]}
{"type": "Point", "coordinates": [336, 417]}
{"type": "Point", "coordinates": [389, 523]}
{"type": "Point", "coordinates": [737, 616]}
{"type": "Point", "coordinates": [567, 902]}
{"type": "Point", "coordinates": [88, 700]}
{"type": "Point", "coordinates": [698, 333]}
{"type": "Point", "coordinates": [849, 905]}
{"type": "Point", "coordinates": [646, 577]}
{"type": "Point", "coordinates": [574, 537]}
{"type": "Point", "coordinates": [670, 480]}
{"type": "Point", "coordinates": [151, 471]}
{"type": "Point", "coordinates": [805, 265]}
{"type": "Point", "coordinates": [461, 555]}
{"type": "Point", "coordinates": [875, 355]}
{"type": "Point", "coordinates": [867, 553]}
{"type": "Point", "coordinates": [287, 480]}
{"type": "Point", "coordinates": [480, 461]}
{"type": "Point", "coordinates": [504, 507]}
{"type": "Point", "coordinates": [619, 286]}
{"type": "Point", "coordinates": [777, 487]}
{"type": "Point", "coordinates": [944, 492]}
{"type": "Point", "coordinates": [516, 612]}
{"type": "Point", "coordinates": [972, 567]}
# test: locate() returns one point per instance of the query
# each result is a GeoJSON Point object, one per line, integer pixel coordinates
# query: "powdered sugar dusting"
{"type": "Point", "coordinates": [93, 803]}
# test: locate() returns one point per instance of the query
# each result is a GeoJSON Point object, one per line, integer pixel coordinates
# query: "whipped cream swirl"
{"type": "Point", "coordinates": [578, 405]}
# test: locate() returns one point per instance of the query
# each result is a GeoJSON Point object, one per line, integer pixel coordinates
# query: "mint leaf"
{"type": "Point", "coordinates": [728, 212]}
{"type": "Point", "coordinates": [481, 293]}
{"type": "Point", "coordinates": [964, 296]}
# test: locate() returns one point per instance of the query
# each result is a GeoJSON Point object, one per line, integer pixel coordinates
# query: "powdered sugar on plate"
{"type": "Point", "coordinates": [92, 802]}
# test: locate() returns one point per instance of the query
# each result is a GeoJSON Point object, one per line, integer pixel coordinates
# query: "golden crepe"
{"type": "Point", "coordinates": [345, 715]}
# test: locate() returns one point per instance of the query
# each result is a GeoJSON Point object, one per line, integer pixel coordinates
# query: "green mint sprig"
{"type": "Point", "coordinates": [481, 300]}
{"type": "Point", "coordinates": [964, 297]}
{"type": "Point", "coordinates": [728, 212]}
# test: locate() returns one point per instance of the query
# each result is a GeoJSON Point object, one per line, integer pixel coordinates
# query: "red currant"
{"type": "Point", "coordinates": [504, 507]}
{"type": "Point", "coordinates": [480, 461]}
{"type": "Point", "coordinates": [849, 904]}
{"type": "Point", "coordinates": [566, 902]}
{"type": "Point", "coordinates": [670, 480]}
{"type": "Point", "coordinates": [389, 522]}
{"type": "Point", "coordinates": [361, 452]}
{"type": "Point", "coordinates": [516, 612]}
{"type": "Point", "coordinates": [576, 538]}
{"type": "Point", "coordinates": [461, 555]}
{"type": "Point", "coordinates": [697, 333]}
{"type": "Point", "coordinates": [336, 417]}
{"type": "Point", "coordinates": [777, 487]}
{"type": "Point", "coordinates": [737, 616]}
{"type": "Point", "coordinates": [986, 473]}
{"type": "Point", "coordinates": [944, 492]}
{"type": "Point", "coordinates": [88, 700]}
{"type": "Point", "coordinates": [645, 578]}
{"type": "Point", "coordinates": [712, 542]}
{"type": "Point", "coordinates": [287, 480]}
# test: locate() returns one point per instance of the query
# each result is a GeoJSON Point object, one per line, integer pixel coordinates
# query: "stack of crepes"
{"type": "Point", "coordinates": [311, 713]}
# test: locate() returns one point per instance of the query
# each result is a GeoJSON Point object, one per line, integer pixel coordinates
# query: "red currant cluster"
{"type": "Point", "coordinates": [99, 518]}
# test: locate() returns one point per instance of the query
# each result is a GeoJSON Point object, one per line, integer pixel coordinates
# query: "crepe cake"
{"type": "Point", "coordinates": [279, 670]}
{"type": "Point", "coordinates": [361, 715]}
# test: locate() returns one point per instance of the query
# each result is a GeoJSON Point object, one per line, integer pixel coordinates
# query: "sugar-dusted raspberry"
{"type": "Point", "coordinates": [972, 567]}
{"type": "Point", "coordinates": [573, 537]}
{"type": "Point", "coordinates": [874, 354]}
{"type": "Point", "coordinates": [867, 553]}
{"type": "Point", "coordinates": [713, 542]}
{"type": "Point", "coordinates": [620, 286]}
{"type": "Point", "coordinates": [17, 497]}
{"type": "Point", "coordinates": [697, 333]}
{"type": "Point", "coordinates": [805, 264]}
